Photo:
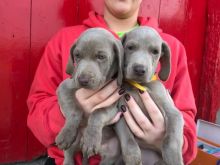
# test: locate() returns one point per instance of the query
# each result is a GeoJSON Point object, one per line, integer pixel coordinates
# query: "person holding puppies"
{"type": "Point", "coordinates": [118, 16]}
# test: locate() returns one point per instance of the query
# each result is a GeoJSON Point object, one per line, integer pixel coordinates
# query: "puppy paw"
{"type": "Point", "coordinates": [90, 143]}
{"type": "Point", "coordinates": [65, 138]}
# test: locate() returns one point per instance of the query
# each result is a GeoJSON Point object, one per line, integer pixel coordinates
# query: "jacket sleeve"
{"type": "Point", "coordinates": [182, 95]}
{"type": "Point", "coordinates": [45, 118]}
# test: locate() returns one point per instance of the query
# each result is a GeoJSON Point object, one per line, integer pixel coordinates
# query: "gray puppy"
{"type": "Point", "coordinates": [144, 49]}
{"type": "Point", "coordinates": [98, 57]}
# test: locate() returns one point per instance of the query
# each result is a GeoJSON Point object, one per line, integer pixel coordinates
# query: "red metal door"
{"type": "Point", "coordinates": [14, 78]}
{"type": "Point", "coordinates": [25, 28]}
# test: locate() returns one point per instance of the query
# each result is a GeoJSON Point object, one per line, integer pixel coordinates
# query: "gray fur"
{"type": "Point", "coordinates": [98, 56]}
{"type": "Point", "coordinates": [144, 49]}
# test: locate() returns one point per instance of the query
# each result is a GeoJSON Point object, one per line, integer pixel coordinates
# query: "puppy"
{"type": "Point", "coordinates": [144, 49]}
{"type": "Point", "coordinates": [98, 57]}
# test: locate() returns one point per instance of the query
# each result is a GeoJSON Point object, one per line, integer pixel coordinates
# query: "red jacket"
{"type": "Point", "coordinates": [45, 118]}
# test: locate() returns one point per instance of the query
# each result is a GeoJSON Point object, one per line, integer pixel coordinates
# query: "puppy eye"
{"type": "Point", "coordinates": [77, 55]}
{"type": "Point", "coordinates": [130, 47]}
{"type": "Point", "coordinates": [100, 56]}
{"type": "Point", "coordinates": [155, 51]}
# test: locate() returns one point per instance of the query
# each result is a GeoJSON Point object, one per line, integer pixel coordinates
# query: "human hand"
{"type": "Point", "coordinates": [90, 100]}
{"type": "Point", "coordinates": [149, 133]}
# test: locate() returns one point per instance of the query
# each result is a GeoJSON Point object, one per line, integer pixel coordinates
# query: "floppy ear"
{"type": "Point", "coordinates": [70, 63]}
{"type": "Point", "coordinates": [165, 62]}
{"type": "Point", "coordinates": [119, 54]}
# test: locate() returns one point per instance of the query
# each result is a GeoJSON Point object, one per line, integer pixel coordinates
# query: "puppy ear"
{"type": "Point", "coordinates": [165, 62]}
{"type": "Point", "coordinates": [119, 53]}
{"type": "Point", "coordinates": [70, 63]}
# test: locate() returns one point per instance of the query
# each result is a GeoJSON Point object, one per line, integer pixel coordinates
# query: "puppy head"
{"type": "Point", "coordinates": [98, 57]}
{"type": "Point", "coordinates": [144, 48]}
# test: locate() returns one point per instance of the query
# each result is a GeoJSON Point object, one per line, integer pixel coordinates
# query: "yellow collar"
{"type": "Point", "coordinates": [138, 86]}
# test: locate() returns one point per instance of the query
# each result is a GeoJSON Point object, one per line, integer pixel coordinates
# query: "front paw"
{"type": "Point", "coordinates": [90, 143]}
{"type": "Point", "coordinates": [65, 138]}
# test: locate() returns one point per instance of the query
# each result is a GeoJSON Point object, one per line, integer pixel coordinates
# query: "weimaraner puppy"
{"type": "Point", "coordinates": [143, 50]}
{"type": "Point", "coordinates": [98, 56]}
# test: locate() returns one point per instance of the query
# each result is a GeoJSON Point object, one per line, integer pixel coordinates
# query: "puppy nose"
{"type": "Point", "coordinates": [83, 80]}
{"type": "Point", "coordinates": [139, 70]}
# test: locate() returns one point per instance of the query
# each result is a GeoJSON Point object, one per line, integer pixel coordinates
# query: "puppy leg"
{"type": "Point", "coordinates": [68, 156]}
{"type": "Point", "coordinates": [69, 153]}
{"type": "Point", "coordinates": [131, 152]}
{"type": "Point", "coordinates": [171, 147]}
{"type": "Point", "coordinates": [72, 113]}
{"type": "Point", "coordinates": [92, 137]}
{"type": "Point", "coordinates": [172, 144]}
{"type": "Point", "coordinates": [111, 149]}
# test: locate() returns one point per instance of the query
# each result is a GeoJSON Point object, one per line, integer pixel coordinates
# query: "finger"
{"type": "Point", "coordinates": [137, 113]}
{"type": "Point", "coordinates": [134, 127]}
{"type": "Point", "coordinates": [116, 118]}
{"type": "Point", "coordinates": [110, 100]}
{"type": "Point", "coordinates": [103, 94]}
{"type": "Point", "coordinates": [82, 93]}
{"type": "Point", "coordinates": [153, 110]}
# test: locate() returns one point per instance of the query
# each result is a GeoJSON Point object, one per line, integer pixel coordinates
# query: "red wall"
{"type": "Point", "coordinates": [25, 28]}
